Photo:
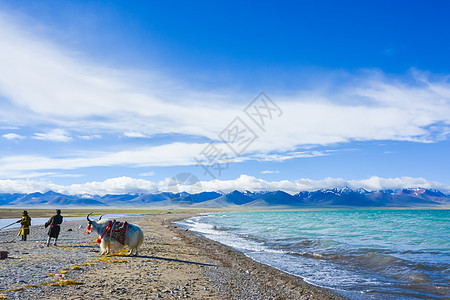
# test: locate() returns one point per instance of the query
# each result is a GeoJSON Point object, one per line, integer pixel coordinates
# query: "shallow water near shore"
{"type": "Point", "coordinates": [372, 254]}
{"type": "Point", "coordinates": [41, 221]}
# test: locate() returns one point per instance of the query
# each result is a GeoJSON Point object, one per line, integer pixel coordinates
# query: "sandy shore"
{"type": "Point", "coordinates": [173, 264]}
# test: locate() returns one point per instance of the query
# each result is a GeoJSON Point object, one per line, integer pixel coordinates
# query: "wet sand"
{"type": "Point", "coordinates": [173, 264]}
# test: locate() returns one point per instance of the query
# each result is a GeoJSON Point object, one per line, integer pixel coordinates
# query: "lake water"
{"type": "Point", "coordinates": [41, 221]}
{"type": "Point", "coordinates": [371, 254]}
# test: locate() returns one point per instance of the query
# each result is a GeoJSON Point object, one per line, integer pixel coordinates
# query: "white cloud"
{"type": "Point", "coordinates": [245, 182]}
{"type": "Point", "coordinates": [164, 155]}
{"type": "Point", "coordinates": [55, 135]}
{"type": "Point", "coordinates": [270, 172]}
{"type": "Point", "coordinates": [121, 185]}
{"type": "Point", "coordinates": [26, 186]}
{"type": "Point", "coordinates": [389, 152]}
{"type": "Point", "coordinates": [90, 137]}
{"type": "Point", "coordinates": [134, 134]}
{"type": "Point", "coordinates": [13, 136]}
{"type": "Point", "coordinates": [51, 84]}
{"type": "Point", "coordinates": [175, 154]}
{"type": "Point", "coordinates": [62, 175]}
{"type": "Point", "coordinates": [147, 174]}
{"type": "Point", "coordinates": [26, 175]}
{"type": "Point", "coordinates": [285, 156]}
{"type": "Point", "coordinates": [9, 128]}
{"type": "Point", "coordinates": [36, 77]}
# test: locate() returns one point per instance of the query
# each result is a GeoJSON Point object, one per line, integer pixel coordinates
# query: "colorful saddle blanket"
{"type": "Point", "coordinates": [119, 231]}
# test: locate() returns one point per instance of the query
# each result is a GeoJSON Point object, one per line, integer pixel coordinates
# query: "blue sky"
{"type": "Point", "coordinates": [113, 97]}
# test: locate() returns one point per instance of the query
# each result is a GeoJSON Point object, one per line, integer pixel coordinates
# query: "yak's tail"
{"type": "Point", "coordinates": [140, 239]}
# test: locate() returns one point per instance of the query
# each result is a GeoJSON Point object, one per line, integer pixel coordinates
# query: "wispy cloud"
{"type": "Point", "coordinates": [37, 75]}
{"type": "Point", "coordinates": [66, 175]}
{"type": "Point", "coordinates": [90, 137]}
{"type": "Point", "coordinates": [389, 152]}
{"type": "Point", "coordinates": [164, 155]}
{"type": "Point", "coordinates": [287, 155]}
{"type": "Point", "coordinates": [174, 154]}
{"type": "Point", "coordinates": [134, 134]}
{"type": "Point", "coordinates": [51, 84]}
{"type": "Point", "coordinates": [147, 174]}
{"type": "Point", "coordinates": [121, 185]}
{"type": "Point", "coordinates": [55, 135]}
{"type": "Point", "coordinates": [270, 172]}
{"type": "Point", "coordinates": [13, 136]}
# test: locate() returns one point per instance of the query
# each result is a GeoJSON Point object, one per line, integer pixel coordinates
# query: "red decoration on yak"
{"type": "Point", "coordinates": [88, 229]}
{"type": "Point", "coordinates": [108, 228]}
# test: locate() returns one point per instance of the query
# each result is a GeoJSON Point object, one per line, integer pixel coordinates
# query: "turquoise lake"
{"type": "Point", "coordinates": [361, 254]}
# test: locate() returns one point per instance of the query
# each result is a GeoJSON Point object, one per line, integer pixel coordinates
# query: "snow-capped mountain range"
{"type": "Point", "coordinates": [337, 197]}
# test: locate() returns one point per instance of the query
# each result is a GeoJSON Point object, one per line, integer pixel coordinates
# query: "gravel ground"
{"type": "Point", "coordinates": [30, 261]}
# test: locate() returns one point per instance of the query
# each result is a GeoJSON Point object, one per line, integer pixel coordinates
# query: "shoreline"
{"type": "Point", "coordinates": [288, 286]}
{"type": "Point", "coordinates": [173, 264]}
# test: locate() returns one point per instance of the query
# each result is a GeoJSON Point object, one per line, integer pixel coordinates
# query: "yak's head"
{"type": "Point", "coordinates": [89, 227]}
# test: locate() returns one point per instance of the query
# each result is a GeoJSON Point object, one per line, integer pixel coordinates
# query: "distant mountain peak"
{"type": "Point", "coordinates": [247, 192]}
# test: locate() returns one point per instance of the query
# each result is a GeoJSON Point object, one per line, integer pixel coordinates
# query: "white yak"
{"type": "Point", "coordinates": [130, 235]}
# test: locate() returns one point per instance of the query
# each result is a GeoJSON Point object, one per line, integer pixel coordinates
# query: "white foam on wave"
{"type": "Point", "coordinates": [225, 237]}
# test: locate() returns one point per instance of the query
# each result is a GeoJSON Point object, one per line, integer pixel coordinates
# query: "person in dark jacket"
{"type": "Point", "coordinates": [26, 223]}
{"type": "Point", "coordinates": [54, 223]}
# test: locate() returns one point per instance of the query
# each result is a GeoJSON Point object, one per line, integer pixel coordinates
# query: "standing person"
{"type": "Point", "coordinates": [26, 223]}
{"type": "Point", "coordinates": [54, 223]}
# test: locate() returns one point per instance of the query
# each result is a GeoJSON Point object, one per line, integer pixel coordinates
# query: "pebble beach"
{"type": "Point", "coordinates": [173, 263]}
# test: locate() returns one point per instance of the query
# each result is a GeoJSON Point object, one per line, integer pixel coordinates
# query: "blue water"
{"type": "Point", "coordinates": [41, 221]}
{"type": "Point", "coordinates": [34, 221]}
{"type": "Point", "coordinates": [371, 254]}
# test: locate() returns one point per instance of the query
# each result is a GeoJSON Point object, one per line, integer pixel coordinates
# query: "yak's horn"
{"type": "Point", "coordinates": [89, 220]}
{"type": "Point", "coordinates": [101, 217]}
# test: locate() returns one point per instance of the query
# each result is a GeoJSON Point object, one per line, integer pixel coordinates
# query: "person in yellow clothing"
{"type": "Point", "coordinates": [26, 223]}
